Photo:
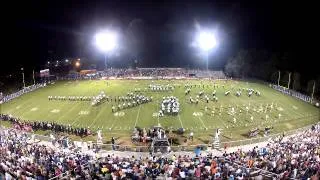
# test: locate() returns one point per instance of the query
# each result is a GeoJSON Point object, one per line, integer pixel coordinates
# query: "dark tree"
{"type": "Point", "coordinates": [296, 81]}
{"type": "Point", "coordinates": [310, 87]}
{"type": "Point", "coordinates": [285, 79]}
{"type": "Point", "coordinates": [274, 77]}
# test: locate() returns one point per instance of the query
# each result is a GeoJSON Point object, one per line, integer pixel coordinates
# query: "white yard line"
{"type": "Point", "coordinates": [138, 117]}
{"type": "Point", "coordinates": [179, 120]}
{"type": "Point", "coordinates": [60, 108]}
{"type": "Point", "coordinates": [287, 107]}
{"type": "Point", "coordinates": [202, 122]}
{"type": "Point", "coordinates": [23, 106]}
{"type": "Point", "coordinates": [224, 124]}
{"type": "Point", "coordinates": [64, 114]}
{"type": "Point", "coordinates": [114, 120]}
{"type": "Point", "coordinates": [76, 120]}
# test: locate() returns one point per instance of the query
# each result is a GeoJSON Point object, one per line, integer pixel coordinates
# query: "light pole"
{"type": "Point", "coordinates": [24, 84]}
{"type": "Point", "coordinates": [206, 41]}
{"type": "Point", "coordinates": [105, 61]}
{"type": "Point", "coordinates": [207, 60]}
{"type": "Point", "coordinates": [106, 41]}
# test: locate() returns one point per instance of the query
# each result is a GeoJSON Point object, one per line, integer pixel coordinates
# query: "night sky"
{"type": "Point", "coordinates": [37, 31]}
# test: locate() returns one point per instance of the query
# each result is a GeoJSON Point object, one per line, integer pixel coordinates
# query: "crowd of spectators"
{"type": "Point", "coordinates": [41, 125]}
{"type": "Point", "coordinates": [294, 157]}
{"type": "Point", "coordinates": [149, 72]}
{"type": "Point", "coordinates": [20, 159]}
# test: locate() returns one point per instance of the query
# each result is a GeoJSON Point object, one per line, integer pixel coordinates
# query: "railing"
{"type": "Point", "coordinates": [17, 94]}
{"type": "Point", "coordinates": [177, 148]}
{"type": "Point", "coordinates": [205, 146]}
{"type": "Point", "coordinates": [293, 93]}
{"type": "Point", "coordinates": [263, 139]}
{"type": "Point", "coordinates": [284, 90]}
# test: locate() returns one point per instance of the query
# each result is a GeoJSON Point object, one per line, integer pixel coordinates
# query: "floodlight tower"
{"type": "Point", "coordinates": [206, 41]}
{"type": "Point", "coordinates": [106, 41]}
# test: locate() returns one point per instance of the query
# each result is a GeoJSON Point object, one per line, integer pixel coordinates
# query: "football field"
{"type": "Point", "coordinates": [235, 115]}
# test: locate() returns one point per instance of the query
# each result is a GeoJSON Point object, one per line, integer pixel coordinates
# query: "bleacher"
{"type": "Point", "coordinates": [294, 157]}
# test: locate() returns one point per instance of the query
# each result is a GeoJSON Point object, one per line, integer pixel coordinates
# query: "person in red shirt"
{"type": "Point", "coordinates": [198, 172]}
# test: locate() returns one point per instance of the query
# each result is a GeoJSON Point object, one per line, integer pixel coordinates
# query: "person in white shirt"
{"type": "Point", "coordinates": [191, 136]}
{"type": "Point", "coordinates": [182, 174]}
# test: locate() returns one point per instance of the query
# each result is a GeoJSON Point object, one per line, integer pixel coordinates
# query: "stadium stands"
{"type": "Point", "coordinates": [150, 72]}
{"type": "Point", "coordinates": [294, 157]}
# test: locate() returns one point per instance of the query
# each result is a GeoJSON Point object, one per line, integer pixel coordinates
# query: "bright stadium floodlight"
{"type": "Point", "coordinates": [206, 41]}
{"type": "Point", "coordinates": [106, 42]}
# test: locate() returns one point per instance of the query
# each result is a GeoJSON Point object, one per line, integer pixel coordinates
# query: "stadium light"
{"type": "Point", "coordinates": [77, 64]}
{"type": "Point", "coordinates": [206, 41]}
{"type": "Point", "coordinates": [106, 41]}
{"type": "Point", "coordinates": [67, 60]}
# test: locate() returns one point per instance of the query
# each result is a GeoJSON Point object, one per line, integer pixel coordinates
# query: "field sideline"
{"type": "Point", "coordinates": [35, 106]}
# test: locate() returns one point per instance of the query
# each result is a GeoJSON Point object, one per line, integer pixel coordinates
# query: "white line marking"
{"type": "Point", "coordinates": [76, 120]}
{"type": "Point", "coordinates": [114, 120]}
{"type": "Point", "coordinates": [180, 120]}
{"type": "Point", "coordinates": [137, 117]}
{"type": "Point", "coordinates": [202, 122]}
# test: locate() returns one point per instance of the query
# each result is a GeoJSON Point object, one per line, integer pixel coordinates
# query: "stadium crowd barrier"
{"type": "Point", "coordinates": [293, 93]}
{"type": "Point", "coordinates": [283, 90]}
{"type": "Point", "coordinates": [262, 139]}
{"type": "Point", "coordinates": [177, 148]}
{"type": "Point", "coordinates": [17, 94]}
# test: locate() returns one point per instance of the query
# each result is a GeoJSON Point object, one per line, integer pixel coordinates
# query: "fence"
{"type": "Point", "coordinates": [293, 93]}
{"type": "Point", "coordinates": [178, 148]}
{"type": "Point", "coordinates": [205, 146]}
{"type": "Point", "coordinates": [262, 139]}
{"type": "Point", "coordinates": [17, 94]}
{"type": "Point", "coordinates": [284, 90]}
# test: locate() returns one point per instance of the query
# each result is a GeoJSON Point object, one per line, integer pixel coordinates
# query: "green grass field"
{"type": "Point", "coordinates": [35, 106]}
